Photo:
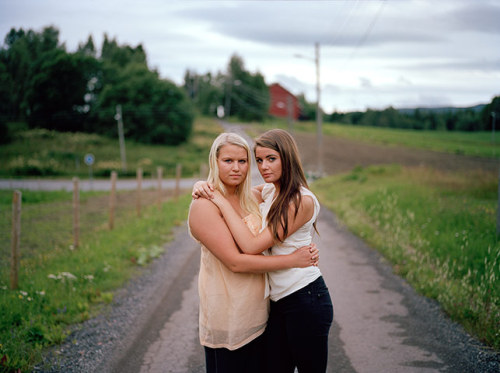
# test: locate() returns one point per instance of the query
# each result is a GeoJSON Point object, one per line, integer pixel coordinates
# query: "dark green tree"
{"type": "Point", "coordinates": [246, 95]}
{"type": "Point", "coordinates": [154, 110]}
{"type": "Point", "coordinates": [205, 91]}
{"type": "Point", "coordinates": [487, 117]}
{"type": "Point", "coordinates": [56, 94]}
{"type": "Point", "coordinates": [307, 109]}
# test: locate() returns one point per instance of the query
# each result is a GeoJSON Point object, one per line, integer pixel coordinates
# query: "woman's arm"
{"type": "Point", "coordinates": [251, 244]}
{"type": "Point", "coordinates": [208, 227]}
{"type": "Point", "coordinates": [204, 189]}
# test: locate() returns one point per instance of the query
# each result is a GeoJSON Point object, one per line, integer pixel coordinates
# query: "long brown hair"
{"type": "Point", "coordinates": [292, 178]}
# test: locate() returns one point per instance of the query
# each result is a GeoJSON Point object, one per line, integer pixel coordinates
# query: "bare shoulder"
{"type": "Point", "coordinates": [202, 206]}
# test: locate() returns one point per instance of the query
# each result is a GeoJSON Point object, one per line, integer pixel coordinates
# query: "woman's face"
{"type": "Point", "coordinates": [269, 164]}
{"type": "Point", "coordinates": [233, 165]}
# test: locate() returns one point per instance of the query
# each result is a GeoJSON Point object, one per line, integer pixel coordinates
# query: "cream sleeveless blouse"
{"type": "Point", "coordinates": [233, 309]}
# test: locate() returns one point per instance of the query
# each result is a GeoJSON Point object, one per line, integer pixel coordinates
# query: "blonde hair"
{"type": "Point", "coordinates": [244, 190]}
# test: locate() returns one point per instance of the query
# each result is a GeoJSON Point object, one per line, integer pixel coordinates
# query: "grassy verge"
{"type": "Point", "coordinates": [467, 143]}
{"type": "Point", "coordinates": [49, 153]}
{"type": "Point", "coordinates": [63, 286]}
{"type": "Point", "coordinates": [437, 229]}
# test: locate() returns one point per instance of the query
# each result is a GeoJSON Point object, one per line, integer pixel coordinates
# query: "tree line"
{"type": "Point", "coordinates": [478, 118]}
{"type": "Point", "coordinates": [44, 86]}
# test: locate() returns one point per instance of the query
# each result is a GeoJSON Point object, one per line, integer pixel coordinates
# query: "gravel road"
{"type": "Point", "coordinates": [380, 324]}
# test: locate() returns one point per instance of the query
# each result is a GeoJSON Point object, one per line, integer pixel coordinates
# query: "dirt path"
{"type": "Point", "coordinates": [341, 155]}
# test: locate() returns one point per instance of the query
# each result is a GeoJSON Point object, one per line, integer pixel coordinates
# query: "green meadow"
{"type": "Point", "coordinates": [437, 229]}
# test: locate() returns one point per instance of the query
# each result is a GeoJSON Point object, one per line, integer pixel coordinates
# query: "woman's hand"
{"type": "Point", "coordinates": [202, 189]}
{"type": "Point", "coordinates": [218, 199]}
{"type": "Point", "coordinates": [307, 256]}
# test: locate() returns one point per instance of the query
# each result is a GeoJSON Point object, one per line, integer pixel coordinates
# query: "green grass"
{"type": "Point", "coordinates": [467, 143]}
{"type": "Point", "coordinates": [478, 144]}
{"type": "Point", "coordinates": [48, 153]}
{"type": "Point", "coordinates": [437, 229]}
{"type": "Point", "coordinates": [60, 285]}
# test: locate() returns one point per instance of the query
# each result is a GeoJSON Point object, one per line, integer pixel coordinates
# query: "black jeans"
{"type": "Point", "coordinates": [246, 359]}
{"type": "Point", "coordinates": [297, 330]}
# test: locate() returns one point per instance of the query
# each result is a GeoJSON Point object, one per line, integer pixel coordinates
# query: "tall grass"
{"type": "Point", "coordinates": [437, 229]}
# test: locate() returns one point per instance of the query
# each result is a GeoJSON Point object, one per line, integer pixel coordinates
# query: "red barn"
{"type": "Point", "coordinates": [283, 102]}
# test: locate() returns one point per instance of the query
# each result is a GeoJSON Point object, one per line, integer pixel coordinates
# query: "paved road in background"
{"type": "Point", "coordinates": [89, 185]}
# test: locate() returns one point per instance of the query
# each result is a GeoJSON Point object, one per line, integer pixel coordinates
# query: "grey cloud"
{"type": "Point", "coordinates": [365, 82]}
{"type": "Point", "coordinates": [467, 65]}
{"type": "Point", "coordinates": [297, 24]}
{"type": "Point", "coordinates": [478, 16]}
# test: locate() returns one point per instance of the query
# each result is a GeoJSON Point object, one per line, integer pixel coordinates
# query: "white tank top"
{"type": "Point", "coordinates": [286, 281]}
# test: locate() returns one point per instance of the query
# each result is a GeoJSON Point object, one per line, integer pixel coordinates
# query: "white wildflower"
{"type": "Point", "coordinates": [68, 275]}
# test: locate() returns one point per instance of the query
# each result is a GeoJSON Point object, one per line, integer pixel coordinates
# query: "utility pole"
{"type": "Point", "coordinates": [319, 116]}
{"type": "Point", "coordinates": [121, 137]}
{"type": "Point", "coordinates": [493, 115]}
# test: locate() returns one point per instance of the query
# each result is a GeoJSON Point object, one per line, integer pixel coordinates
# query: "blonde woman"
{"type": "Point", "coordinates": [233, 306]}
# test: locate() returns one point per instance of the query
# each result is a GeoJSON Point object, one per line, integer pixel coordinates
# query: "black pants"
{"type": "Point", "coordinates": [246, 359]}
{"type": "Point", "coordinates": [297, 330]}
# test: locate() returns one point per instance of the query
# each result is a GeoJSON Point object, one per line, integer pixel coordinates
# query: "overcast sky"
{"type": "Point", "coordinates": [373, 53]}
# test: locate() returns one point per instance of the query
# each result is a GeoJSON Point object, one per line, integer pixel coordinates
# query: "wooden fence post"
{"type": "Point", "coordinates": [16, 238]}
{"type": "Point", "coordinates": [76, 213]}
{"type": "Point", "coordinates": [159, 172]}
{"type": "Point", "coordinates": [112, 200]}
{"type": "Point", "coordinates": [203, 171]}
{"type": "Point", "coordinates": [178, 172]}
{"type": "Point", "coordinates": [139, 191]}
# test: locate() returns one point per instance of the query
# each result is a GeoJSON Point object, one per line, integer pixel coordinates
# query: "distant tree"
{"type": "Point", "coordinates": [21, 50]}
{"type": "Point", "coordinates": [486, 117]}
{"type": "Point", "coordinates": [246, 95]}
{"type": "Point", "coordinates": [205, 91]}
{"type": "Point", "coordinates": [88, 49]}
{"type": "Point", "coordinates": [467, 120]}
{"type": "Point", "coordinates": [56, 93]}
{"type": "Point", "coordinates": [154, 110]}
{"type": "Point", "coordinates": [41, 82]}
{"type": "Point", "coordinates": [336, 117]}
{"type": "Point", "coordinates": [307, 109]}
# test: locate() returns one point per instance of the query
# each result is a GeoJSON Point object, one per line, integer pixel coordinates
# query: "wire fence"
{"type": "Point", "coordinates": [45, 228]}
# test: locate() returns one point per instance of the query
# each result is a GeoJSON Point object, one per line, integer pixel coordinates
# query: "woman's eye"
{"type": "Point", "coordinates": [243, 161]}
{"type": "Point", "coordinates": [259, 160]}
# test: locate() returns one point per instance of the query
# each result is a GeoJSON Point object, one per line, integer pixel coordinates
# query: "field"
{"type": "Point", "coordinates": [431, 213]}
